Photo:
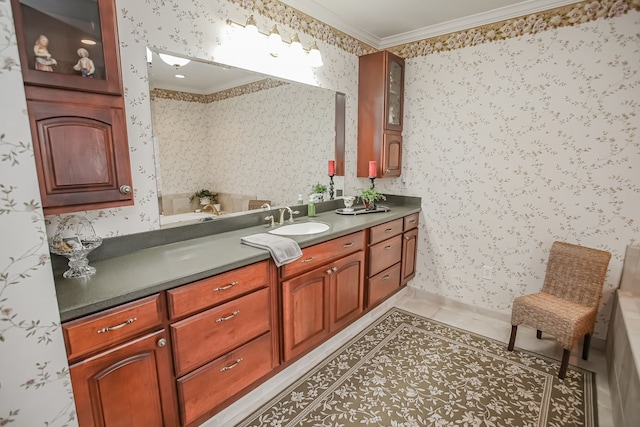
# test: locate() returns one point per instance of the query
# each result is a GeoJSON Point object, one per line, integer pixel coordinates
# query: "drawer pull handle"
{"type": "Point", "coordinates": [386, 248]}
{"type": "Point", "coordinates": [413, 221]}
{"type": "Point", "coordinates": [388, 230]}
{"type": "Point", "coordinates": [386, 277]}
{"type": "Point", "coordinates": [121, 325]}
{"type": "Point", "coordinates": [348, 245]}
{"type": "Point", "coordinates": [229, 317]}
{"type": "Point", "coordinates": [224, 288]}
{"type": "Point", "coordinates": [308, 259]}
{"type": "Point", "coordinates": [226, 368]}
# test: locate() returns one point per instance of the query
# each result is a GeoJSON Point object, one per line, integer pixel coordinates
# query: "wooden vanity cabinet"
{"type": "Point", "coordinates": [380, 113]}
{"type": "Point", "coordinates": [384, 259]}
{"type": "Point", "coordinates": [224, 337]}
{"type": "Point", "coordinates": [409, 248]}
{"type": "Point", "coordinates": [120, 366]}
{"type": "Point", "coordinates": [78, 124]}
{"type": "Point", "coordinates": [322, 292]}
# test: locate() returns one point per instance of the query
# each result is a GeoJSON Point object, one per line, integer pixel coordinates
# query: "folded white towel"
{"type": "Point", "coordinates": [283, 250]}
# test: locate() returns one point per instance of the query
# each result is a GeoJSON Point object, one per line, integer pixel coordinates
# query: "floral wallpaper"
{"type": "Point", "coordinates": [518, 143]}
{"type": "Point", "coordinates": [214, 145]}
{"type": "Point", "coordinates": [511, 144]}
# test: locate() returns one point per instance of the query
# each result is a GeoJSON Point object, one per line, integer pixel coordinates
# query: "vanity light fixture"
{"type": "Point", "coordinates": [175, 61]}
{"type": "Point", "coordinates": [276, 46]}
{"type": "Point", "coordinates": [275, 41]}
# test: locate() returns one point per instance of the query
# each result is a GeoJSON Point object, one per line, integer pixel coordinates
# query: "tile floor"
{"type": "Point", "coordinates": [490, 325]}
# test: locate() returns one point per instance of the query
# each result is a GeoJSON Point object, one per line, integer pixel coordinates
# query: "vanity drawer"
{"type": "Point", "coordinates": [384, 231]}
{"type": "Point", "coordinates": [205, 336]}
{"type": "Point", "coordinates": [103, 329]}
{"type": "Point", "coordinates": [383, 284]}
{"type": "Point", "coordinates": [208, 292]}
{"type": "Point", "coordinates": [322, 253]}
{"type": "Point", "coordinates": [411, 221]}
{"type": "Point", "coordinates": [385, 254]}
{"type": "Point", "coordinates": [207, 387]}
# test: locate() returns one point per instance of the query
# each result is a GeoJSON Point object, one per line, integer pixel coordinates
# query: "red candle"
{"type": "Point", "coordinates": [373, 169]}
{"type": "Point", "coordinates": [332, 167]}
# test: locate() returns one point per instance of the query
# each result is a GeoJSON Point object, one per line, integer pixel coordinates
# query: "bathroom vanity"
{"type": "Point", "coordinates": [189, 326]}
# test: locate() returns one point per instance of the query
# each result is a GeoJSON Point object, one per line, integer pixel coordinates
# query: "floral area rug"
{"type": "Point", "coordinates": [406, 370]}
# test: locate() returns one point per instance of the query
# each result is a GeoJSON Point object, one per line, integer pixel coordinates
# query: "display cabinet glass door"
{"type": "Point", "coordinates": [69, 44]}
{"type": "Point", "coordinates": [394, 96]}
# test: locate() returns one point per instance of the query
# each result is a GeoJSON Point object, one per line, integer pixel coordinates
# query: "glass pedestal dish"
{"type": "Point", "coordinates": [74, 239]}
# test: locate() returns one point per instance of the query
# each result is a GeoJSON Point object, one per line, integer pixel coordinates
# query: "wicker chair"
{"type": "Point", "coordinates": [568, 303]}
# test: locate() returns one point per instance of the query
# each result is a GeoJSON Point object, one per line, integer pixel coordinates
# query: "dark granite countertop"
{"type": "Point", "coordinates": [124, 278]}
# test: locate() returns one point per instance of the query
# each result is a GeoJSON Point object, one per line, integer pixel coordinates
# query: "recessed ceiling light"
{"type": "Point", "coordinates": [88, 41]}
{"type": "Point", "coordinates": [179, 76]}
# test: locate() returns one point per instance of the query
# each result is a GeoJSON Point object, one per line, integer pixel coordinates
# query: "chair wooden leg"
{"type": "Point", "coordinates": [538, 334]}
{"type": "Point", "coordinates": [585, 346]}
{"type": "Point", "coordinates": [512, 339]}
{"type": "Point", "coordinates": [565, 363]}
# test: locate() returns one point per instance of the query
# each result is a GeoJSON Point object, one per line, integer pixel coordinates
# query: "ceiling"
{"type": "Point", "coordinates": [387, 23]}
{"type": "Point", "coordinates": [379, 23]}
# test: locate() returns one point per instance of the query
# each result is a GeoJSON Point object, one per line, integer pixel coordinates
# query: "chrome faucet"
{"type": "Point", "coordinates": [291, 213]}
{"type": "Point", "coordinates": [213, 209]}
{"type": "Point", "coordinates": [266, 206]}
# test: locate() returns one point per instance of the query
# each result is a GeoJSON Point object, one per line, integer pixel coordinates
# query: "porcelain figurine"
{"type": "Point", "coordinates": [44, 61]}
{"type": "Point", "coordinates": [85, 64]}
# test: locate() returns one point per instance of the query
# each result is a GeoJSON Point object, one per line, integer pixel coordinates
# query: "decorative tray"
{"type": "Point", "coordinates": [358, 210]}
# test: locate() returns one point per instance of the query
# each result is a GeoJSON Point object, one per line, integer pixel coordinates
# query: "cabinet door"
{"type": "Point", "coordinates": [347, 290]}
{"type": "Point", "coordinates": [50, 35]}
{"type": "Point", "coordinates": [391, 154]}
{"type": "Point", "coordinates": [82, 155]}
{"type": "Point", "coordinates": [128, 385]}
{"type": "Point", "coordinates": [395, 88]}
{"type": "Point", "coordinates": [305, 312]}
{"type": "Point", "coordinates": [409, 255]}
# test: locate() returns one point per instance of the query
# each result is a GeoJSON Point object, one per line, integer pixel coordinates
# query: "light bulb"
{"type": "Point", "coordinates": [275, 41]}
{"type": "Point", "coordinates": [315, 58]}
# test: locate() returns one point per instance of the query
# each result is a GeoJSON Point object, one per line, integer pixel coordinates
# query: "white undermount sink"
{"type": "Point", "coordinates": [300, 228]}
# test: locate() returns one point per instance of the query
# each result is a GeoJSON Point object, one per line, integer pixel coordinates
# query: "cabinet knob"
{"type": "Point", "coordinates": [329, 272]}
{"type": "Point", "coordinates": [161, 342]}
{"type": "Point", "coordinates": [125, 189]}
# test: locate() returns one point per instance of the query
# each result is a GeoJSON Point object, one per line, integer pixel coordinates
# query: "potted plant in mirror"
{"type": "Point", "coordinates": [206, 196]}
{"type": "Point", "coordinates": [369, 197]}
{"type": "Point", "coordinates": [317, 192]}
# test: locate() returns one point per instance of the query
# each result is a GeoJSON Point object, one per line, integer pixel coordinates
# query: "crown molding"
{"type": "Point", "coordinates": [527, 7]}
{"type": "Point", "coordinates": [524, 8]}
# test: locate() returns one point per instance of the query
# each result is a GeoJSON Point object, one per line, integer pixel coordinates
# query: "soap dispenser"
{"type": "Point", "coordinates": [311, 208]}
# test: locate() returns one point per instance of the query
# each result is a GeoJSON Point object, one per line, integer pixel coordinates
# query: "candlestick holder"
{"type": "Point", "coordinates": [331, 186]}
{"type": "Point", "coordinates": [373, 184]}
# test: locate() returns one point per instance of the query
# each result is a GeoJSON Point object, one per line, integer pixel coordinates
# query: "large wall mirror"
{"type": "Point", "coordinates": [245, 136]}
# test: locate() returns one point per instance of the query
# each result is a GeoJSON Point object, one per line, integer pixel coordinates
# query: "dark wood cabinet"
{"type": "Point", "coordinates": [69, 26]}
{"type": "Point", "coordinates": [228, 340]}
{"type": "Point", "coordinates": [319, 303]}
{"type": "Point", "coordinates": [380, 113]}
{"type": "Point", "coordinates": [305, 312]}
{"type": "Point", "coordinates": [120, 366]}
{"type": "Point", "coordinates": [130, 384]}
{"type": "Point", "coordinates": [323, 292]}
{"type": "Point", "coordinates": [76, 111]}
{"type": "Point", "coordinates": [409, 248]}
